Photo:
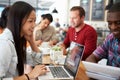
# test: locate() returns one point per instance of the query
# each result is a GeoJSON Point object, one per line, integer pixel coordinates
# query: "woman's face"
{"type": "Point", "coordinates": [28, 24]}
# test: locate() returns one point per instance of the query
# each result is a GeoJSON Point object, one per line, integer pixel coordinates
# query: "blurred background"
{"type": "Point", "coordinates": [95, 12]}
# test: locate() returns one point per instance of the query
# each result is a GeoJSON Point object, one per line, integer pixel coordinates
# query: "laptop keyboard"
{"type": "Point", "coordinates": [58, 72]}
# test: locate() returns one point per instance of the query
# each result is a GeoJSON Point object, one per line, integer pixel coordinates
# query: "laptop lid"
{"type": "Point", "coordinates": [73, 58]}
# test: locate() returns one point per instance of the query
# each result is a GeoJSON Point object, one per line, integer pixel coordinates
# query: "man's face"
{"type": "Point", "coordinates": [75, 19]}
{"type": "Point", "coordinates": [113, 19]}
{"type": "Point", "coordinates": [44, 23]}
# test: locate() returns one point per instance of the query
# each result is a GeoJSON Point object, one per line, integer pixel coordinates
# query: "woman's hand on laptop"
{"type": "Point", "coordinates": [37, 71]}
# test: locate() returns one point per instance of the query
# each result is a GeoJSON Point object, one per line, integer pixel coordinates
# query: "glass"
{"type": "Point", "coordinates": [56, 56]}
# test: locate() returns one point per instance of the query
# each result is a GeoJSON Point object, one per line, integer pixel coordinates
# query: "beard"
{"type": "Point", "coordinates": [76, 25]}
{"type": "Point", "coordinates": [116, 32]}
{"type": "Point", "coordinates": [116, 35]}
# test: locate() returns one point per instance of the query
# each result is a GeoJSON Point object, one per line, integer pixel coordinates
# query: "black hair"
{"type": "Point", "coordinates": [19, 10]}
{"type": "Point", "coordinates": [115, 7]}
{"type": "Point", "coordinates": [47, 16]}
{"type": "Point", "coordinates": [3, 19]}
{"type": "Point", "coordinates": [80, 9]}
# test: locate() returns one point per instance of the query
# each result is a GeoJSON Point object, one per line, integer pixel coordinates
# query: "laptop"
{"type": "Point", "coordinates": [101, 72]}
{"type": "Point", "coordinates": [70, 67]}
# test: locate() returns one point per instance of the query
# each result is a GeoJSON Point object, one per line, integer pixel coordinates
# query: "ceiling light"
{"type": "Point", "coordinates": [54, 11]}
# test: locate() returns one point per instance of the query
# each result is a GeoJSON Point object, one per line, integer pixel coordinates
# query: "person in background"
{"type": "Point", "coordinates": [110, 48]}
{"type": "Point", "coordinates": [20, 25]}
{"type": "Point", "coordinates": [57, 24]}
{"type": "Point", "coordinates": [44, 32]}
{"type": "Point", "coordinates": [3, 19]}
{"type": "Point", "coordinates": [80, 32]}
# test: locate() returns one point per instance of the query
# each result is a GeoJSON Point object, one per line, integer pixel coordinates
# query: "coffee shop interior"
{"type": "Point", "coordinates": [95, 15]}
{"type": "Point", "coordinates": [95, 12]}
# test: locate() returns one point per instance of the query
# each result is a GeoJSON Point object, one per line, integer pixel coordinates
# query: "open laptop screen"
{"type": "Point", "coordinates": [73, 58]}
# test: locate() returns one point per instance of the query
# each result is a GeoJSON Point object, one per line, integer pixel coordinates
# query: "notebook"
{"type": "Point", "coordinates": [70, 67]}
{"type": "Point", "coordinates": [101, 72]}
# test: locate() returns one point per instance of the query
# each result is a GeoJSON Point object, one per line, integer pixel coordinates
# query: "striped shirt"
{"type": "Point", "coordinates": [110, 49]}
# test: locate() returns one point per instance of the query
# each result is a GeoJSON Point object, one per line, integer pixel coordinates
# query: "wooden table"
{"type": "Point", "coordinates": [81, 75]}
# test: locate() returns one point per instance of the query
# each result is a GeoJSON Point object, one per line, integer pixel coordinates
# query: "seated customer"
{"type": "Point", "coordinates": [13, 56]}
{"type": "Point", "coordinates": [44, 32]}
{"type": "Point", "coordinates": [80, 32]}
{"type": "Point", "coordinates": [3, 19]}
{"type": "Point", "coordinates": [110, 49]}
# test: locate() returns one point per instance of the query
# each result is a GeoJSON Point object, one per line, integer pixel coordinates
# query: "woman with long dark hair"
{"type": "Point", "coordinates": [20, 25]}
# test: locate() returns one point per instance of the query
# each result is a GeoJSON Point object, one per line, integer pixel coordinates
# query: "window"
{"type": "Point", "coordinates": [98, 10]}
{"type": "Point", "coordinates": [86, 5]}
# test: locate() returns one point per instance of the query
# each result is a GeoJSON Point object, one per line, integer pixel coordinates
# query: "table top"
{"type": "Point", "coordinates": [46, 59]}
{"type": "Point", "coordinates": [81, 75]}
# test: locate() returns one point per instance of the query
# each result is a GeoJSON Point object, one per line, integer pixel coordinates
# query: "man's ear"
{"type": "Point", "coordinates": [83, 17]}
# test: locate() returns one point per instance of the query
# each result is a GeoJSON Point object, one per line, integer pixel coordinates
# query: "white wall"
{"type": "Point", "coordinates": [63, 8]}
{"type": "Point", "coordinates": [74, 3]}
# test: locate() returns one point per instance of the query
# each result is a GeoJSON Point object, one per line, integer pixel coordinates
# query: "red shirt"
{"type": "Point", "coordinates": [87, 36]}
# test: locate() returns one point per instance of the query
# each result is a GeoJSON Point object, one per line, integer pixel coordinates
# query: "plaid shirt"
{"type": "Point", "coordinates": [110, 49]}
